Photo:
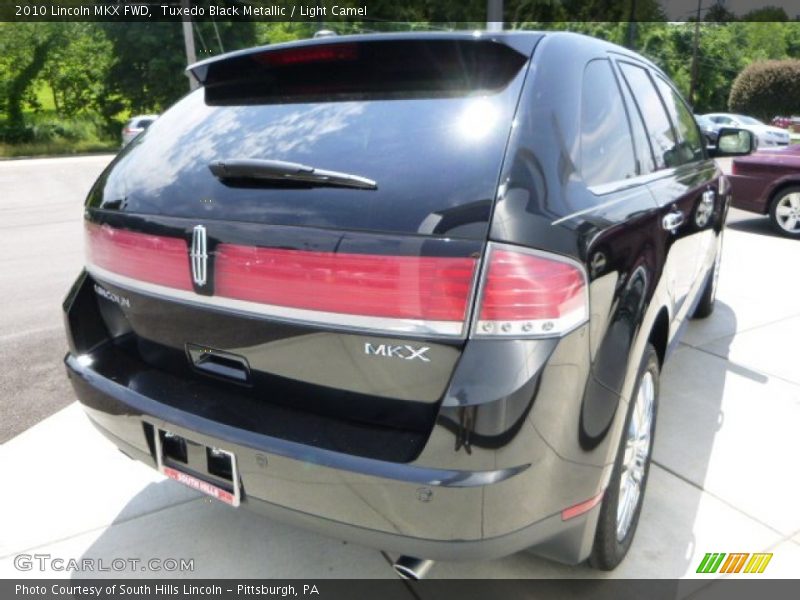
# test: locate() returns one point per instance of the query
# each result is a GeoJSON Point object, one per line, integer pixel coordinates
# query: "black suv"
{"type": "Point", "coordinates": [413, 291]}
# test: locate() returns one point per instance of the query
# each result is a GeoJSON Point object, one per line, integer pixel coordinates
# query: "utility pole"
{"type": "Point", "coordinates": [632, 26]}
{"type": "Point", "coordinates": [494, 15]}
{"type": "Point", "coordinates": [693, 83]}
{"type": "Point", "coordinates": [188, 42]}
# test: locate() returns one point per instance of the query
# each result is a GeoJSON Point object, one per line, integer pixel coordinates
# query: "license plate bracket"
{"type": "Point", "coordinates": [228, 492]}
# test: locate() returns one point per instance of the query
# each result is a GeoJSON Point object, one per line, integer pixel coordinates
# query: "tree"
{"type": "Point", "coordinates": [76, 70]}
{"type": "Point", "coordinates": [767, 88]}
{"type": "Point", "coordinates": [24, 49]}
{"type": "Point", "coordinates": [148, 72]}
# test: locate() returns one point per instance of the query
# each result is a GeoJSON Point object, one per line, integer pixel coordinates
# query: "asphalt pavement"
{"type": "Point", "coordinates": [725, 477]}
{"type": "Point", "coordinates": [41, 206]}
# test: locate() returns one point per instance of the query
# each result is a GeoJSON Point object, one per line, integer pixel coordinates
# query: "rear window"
{"type": "Point", "coordinates": [434, 147]}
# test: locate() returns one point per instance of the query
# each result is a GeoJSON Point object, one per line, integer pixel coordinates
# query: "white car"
{"type": "Point", "coordinates": [135, 126]}
{"type": "Point", "coordinates": [767, 135]}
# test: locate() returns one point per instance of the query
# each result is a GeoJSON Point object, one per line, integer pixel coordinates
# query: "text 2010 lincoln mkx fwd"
{"type": "Point", "coordinates": [409, 290]}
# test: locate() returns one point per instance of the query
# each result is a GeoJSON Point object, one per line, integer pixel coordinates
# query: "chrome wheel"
{"type": "Point", "coordinates": [787, 213]}
{"type": "Point", "coordinates": [636, 454]}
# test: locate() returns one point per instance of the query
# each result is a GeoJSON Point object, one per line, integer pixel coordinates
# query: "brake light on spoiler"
{"type": "Point", "coordinates": [309, 54]}
{"type": "Point", "coordinates": [522, 293]}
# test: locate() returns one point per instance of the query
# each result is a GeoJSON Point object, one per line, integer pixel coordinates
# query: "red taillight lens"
{"type": "Point", "coordinates": [138, 256]}
{"type": "Point", "coordinates": [395, 287]}
{"type": "Point", "coordinates": [530, 294]}
{"type": "Point", "coordinates": [734, 168]}
{"type": "Point", "coordinates": [409, 294]}
{"type": "Point", "coordinates": [579, 509]}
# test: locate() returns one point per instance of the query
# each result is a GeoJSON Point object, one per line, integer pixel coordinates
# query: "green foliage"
{"type": "Point", "coordinates": [65, 82]}
{"type": "Point", "coordinates": [724, 50]}
{"type": "Point", "coordinates": [148, 70]}
{"type": "Point", "coordinates": [768, 88]}
{"type": "Point", "coordinates": [75, 71]}
{"type": "Point", "coordinates": [45, 129]}
{"type": "Point", "coordinates": [146, 74]}
{"type": "Point", "coordinates": [24, 50]}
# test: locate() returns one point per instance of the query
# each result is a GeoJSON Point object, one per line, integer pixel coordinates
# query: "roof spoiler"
{"type": "Point", "coordinates": [218, 69]}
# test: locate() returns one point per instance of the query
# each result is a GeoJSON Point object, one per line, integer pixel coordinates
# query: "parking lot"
{"type": "Point", "coordinates": [726, 461]}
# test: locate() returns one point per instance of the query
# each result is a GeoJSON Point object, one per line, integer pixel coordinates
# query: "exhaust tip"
{"type": "Point", "coordinates": [414, 569]}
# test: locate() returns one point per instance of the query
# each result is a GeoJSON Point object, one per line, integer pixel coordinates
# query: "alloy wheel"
{"type": "Point", "coordinates": [787, 213]}
{"type": "Point", "coordinates": [636, 454]}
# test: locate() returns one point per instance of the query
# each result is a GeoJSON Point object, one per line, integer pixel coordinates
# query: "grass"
{"type": "Point", "coordinates": [50, 134]}
{"type": "Point", "coordinates": [57, 148]}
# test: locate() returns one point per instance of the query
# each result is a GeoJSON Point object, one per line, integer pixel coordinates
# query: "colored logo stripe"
{"type": "Point", "coordinates": [758, 563]}
{"type": "Point", "coordinates": [712, 562]}
{"type": "Point", "coordinates": [734, 562]}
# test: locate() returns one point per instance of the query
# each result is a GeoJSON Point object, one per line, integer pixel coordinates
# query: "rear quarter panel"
{"type": "Point", "coordinates": [543, 203]}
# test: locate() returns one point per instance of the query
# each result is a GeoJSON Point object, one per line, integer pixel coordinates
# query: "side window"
{"type": "Point", "coordinates": [606, 148]}
{"type": "Point", "coordinates": [659, 128]}
{"type": "Point", "coordinates": [690, 148]}
{"type": "Point", "coordinates": [644, 154]}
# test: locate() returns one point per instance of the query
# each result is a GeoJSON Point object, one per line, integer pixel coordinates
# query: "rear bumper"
{"type": "Point", "coordinates": [492, 478]}
{"type": "Point", "coordinates": [405, 508]}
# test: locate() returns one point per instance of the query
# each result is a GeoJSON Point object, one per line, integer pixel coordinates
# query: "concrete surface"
{"type": "Point", "coordinates": [40, 224]}
{"type": "Point", "coordinates": [725, 477]}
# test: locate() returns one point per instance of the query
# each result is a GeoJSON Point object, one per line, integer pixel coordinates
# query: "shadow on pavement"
{"type": "Point", "coordinates": [758, 225]}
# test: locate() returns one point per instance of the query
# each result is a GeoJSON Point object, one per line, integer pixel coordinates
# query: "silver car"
{"type": "Point", "coordinates": [135, 126]}
{"type": "Point", "coordinates": [767, 135]}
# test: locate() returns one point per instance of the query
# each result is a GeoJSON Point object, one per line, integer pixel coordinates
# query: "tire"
{"type": "Point", "coordinates": [784, 212]}
{"type": "Point", "coordinates": [616, 527]}
{"type": "Point", "coordinates": [705, 306]}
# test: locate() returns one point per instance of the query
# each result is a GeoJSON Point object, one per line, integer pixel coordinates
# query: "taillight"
{"type": "Point", "coordinates": [138, 256]}
{"type": "Point", "coordinates": [734, 168]}
{"type": "Point", "coordinates": [388, 292]}
{"type": "Point", "coordinates": [527, 293]}
{"type": "Point", "coordinates": [523, 293]}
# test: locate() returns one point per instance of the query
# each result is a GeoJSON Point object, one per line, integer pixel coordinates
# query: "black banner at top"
{"type": "Point", "coordinates": [460, 13]}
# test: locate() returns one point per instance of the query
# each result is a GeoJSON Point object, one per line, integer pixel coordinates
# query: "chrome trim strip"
{"type": "Point", "coordinates": [416, 327]}
{"type": "Point", "coordinates": [633, 184]}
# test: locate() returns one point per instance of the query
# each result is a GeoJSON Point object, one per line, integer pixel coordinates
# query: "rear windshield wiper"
{"type": "Point", "coordinates": [251, 169]}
